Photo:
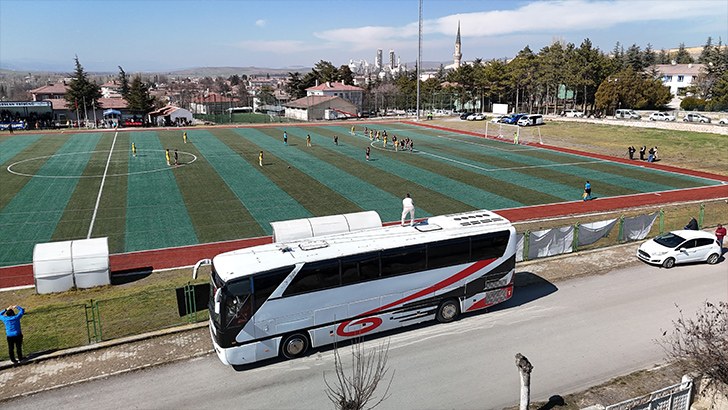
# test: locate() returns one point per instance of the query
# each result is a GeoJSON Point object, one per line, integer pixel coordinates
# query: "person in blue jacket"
{"type": "Point", "coordinates": [11, 320]}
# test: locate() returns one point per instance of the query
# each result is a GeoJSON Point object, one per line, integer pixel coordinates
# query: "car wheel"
{"type": "Point", "coordinates": [652, 119]}
{"type": "Point", "coordinates": [294, 345]}
{"type": "Point", "coordinates": [668, 263]}
{"type": "Point", "coordinates": [713, 258]}
{"type": "Point", "coordinates": [448, 311]}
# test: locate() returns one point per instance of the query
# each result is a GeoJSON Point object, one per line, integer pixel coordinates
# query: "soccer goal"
{"type": "Point", "coordinates": [531, 135]}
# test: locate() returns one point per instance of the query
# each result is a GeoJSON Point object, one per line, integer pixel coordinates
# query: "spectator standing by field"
{"type": "Point", "coordinates": [720, 234]}
{"type": "Point", "coordinates": [11, 320]}
{"type": "Point", "coordinates": [631, 151]}
{"type": "Point", "coordinates": [643, 150]}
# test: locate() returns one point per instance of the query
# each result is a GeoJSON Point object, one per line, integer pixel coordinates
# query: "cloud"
{"type": "Point", "coordinates": [260, 23]}
{"type": "Point", "coordinates": [534, 17]}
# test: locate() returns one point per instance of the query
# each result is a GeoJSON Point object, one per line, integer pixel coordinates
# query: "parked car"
{"type": "Point", "coordinates": [661, 116]}
{"type": "Point", "coordinates": [465, 115]}
{"type": "Point", "coordinates": [500, 118]}
{"type": "Point", "coordinates": [513, 118]}
{"type": "Point", "coordinates": [530, 119]}
{"type": "Point", "coordinates": [572, 113]}
{"type": "Point", "coordinates": [627, 114]}
{"type": "Point", "coordinates": [681, 246]}
{"type": "Point", "coordinates": [723, 121]}
{"type": "Point", "coordinates": [695, 117]}
{"type": "Point", "coordinates": [476, 117]}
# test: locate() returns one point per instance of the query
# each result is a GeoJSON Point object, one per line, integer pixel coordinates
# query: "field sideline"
{"type": "Point", "coordinates": [63, 186]}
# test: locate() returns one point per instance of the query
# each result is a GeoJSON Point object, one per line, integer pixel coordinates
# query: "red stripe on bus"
{"type": "Point", "coordinates": [424, 292]}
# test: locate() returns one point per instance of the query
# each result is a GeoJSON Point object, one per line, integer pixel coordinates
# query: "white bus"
{"type": "Point", "coordinates": [338, 277]}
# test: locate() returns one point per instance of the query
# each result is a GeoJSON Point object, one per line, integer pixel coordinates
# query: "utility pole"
{"type": "Point", "coordinates": [524, 368]}
{"type": "Point", "coordinates": [419, 60]}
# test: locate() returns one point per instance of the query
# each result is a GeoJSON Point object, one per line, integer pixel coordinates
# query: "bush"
{"type": "Point", "coordinates": [693, 104]}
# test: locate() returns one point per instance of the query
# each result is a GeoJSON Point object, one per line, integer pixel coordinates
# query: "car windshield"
{"type": "Point", "coordinates": [669, 240]}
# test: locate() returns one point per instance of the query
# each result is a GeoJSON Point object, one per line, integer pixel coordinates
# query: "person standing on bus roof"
{"type": "Point", "coordinates": [408, 207]}
{"type": "Point", "coordinates": [11, 320]}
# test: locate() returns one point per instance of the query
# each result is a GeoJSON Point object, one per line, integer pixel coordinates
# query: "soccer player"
{"type": "Point", "coordinates": [133, 149]}
{"type": "Point", "coordinates": [368, 150]}
{"type": "Point", "coordinates": [308, 140]}
{"type": "Point", "coordinates": [175, 158]}
{"type": "Point", "coordinates": [166, 153]}
{"type": "Point", "coordinates": [184, 137]}
{"type": "Point", "coordinates": [260, 159]}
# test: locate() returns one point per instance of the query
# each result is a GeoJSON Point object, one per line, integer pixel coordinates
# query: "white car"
{"type": "Point", "coordinates": [681, 246]}
{"type": "Point", "coordinates": [695, 117]}
{"type": "Point", "coordinates": [723, 121]}
{"type": "Point", "coordinates": [573, 113]}
{"type": "Point", "coordinates": [661, 116]}
{"type": "Point", "coordinates": [476, 117]}
{"type": "Point", "coordinates": [500, 118]}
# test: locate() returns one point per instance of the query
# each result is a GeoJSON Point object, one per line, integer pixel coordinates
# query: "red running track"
{"type": "Point", "coordinates": [22, 275]}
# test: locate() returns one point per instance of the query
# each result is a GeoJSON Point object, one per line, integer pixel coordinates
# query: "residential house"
{"type": "Point", "coordinates": [346, 92]}
{"type": "Point", "coordinates": [320, 107]}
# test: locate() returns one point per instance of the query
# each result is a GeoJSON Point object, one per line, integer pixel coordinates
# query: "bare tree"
{"type": "Point", "coordinates": [368, 369]}
{"type": "Point", "coordinates": [700, 344]}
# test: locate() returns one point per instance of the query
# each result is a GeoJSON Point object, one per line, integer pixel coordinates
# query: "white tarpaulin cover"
{"type": "Point", "coordinates": [519, 247]}
{"type": "Point", "coordinates": [638, 227]}
{"type": "Point", "coordinates": [58, 266]}
{"type": "Point", "coordinates": [297, 229]}
{"type": "Point", "coordinates": [594, 231]}
{"type": "Point", "coordinates": [550, 242]}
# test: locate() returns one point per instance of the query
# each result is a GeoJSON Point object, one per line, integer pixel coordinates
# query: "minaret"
{"type": "Point", "coordinates": [457, 55]}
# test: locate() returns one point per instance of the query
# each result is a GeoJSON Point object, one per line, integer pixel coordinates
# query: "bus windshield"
{"type": "Point", "coordinates": [230, 303]}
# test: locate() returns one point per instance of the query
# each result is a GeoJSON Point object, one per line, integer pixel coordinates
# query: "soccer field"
{"type": "Point", "coordinates": [78, 185]}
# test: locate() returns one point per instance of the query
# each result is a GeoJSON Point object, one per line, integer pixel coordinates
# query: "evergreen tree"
{"type": "Point", "coordinates": [682, 56]}
{"type": "Point", "coordinates": [265, 95]}
{"type": "Point", "coordinates": [345, 75]}
{"type": "Point", "coordinates": [139, 100]}
{"type": "Point", "coordinates": [82, 95]}
{"type": "Point", "coordinates": [633, 58]}
{"type": "Point", "coordinates": [649, 58]}
{"type": "Point", "coordinates": [123, 83]}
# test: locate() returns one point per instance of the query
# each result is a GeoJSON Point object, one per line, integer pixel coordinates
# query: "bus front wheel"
{"type": "Point", "coordinates": [448, 311]}
{"type": "Point", "coordinates": [294, 345]}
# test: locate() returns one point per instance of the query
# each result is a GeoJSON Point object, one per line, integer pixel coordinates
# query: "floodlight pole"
{"type": "Point", "coordinates": [419, 60]}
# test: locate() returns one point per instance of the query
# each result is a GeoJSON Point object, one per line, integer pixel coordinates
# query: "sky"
{"type": "Point", "coordinates": [167, 35]}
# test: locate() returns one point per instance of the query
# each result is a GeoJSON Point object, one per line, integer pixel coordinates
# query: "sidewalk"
{"type": "Point", "coordinates": [50, 370]}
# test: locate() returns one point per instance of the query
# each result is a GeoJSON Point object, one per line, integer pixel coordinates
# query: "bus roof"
{"type": "Point", "coordinates": [249, 261]}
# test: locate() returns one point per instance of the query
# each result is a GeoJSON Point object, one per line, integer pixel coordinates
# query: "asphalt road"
{"type": "Point", "coordinates": [582, 333]}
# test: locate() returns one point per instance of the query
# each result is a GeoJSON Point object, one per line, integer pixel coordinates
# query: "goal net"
{"type": "Point", "coordinates": [530, 135]}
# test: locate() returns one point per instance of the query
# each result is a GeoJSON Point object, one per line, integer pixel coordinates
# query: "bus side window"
{"type": "Point", "coordinates": [403, 261]}
{"type": "Point", "coordinates": [315, 276]}
{"type": "Point", "coordinates": [359, 268]}
{"type": "Point", "coordinates": [265, 284]}
{"type": "Point", "coordinates": [448, 253]}
{"type": "Point", "coordinates": [488, 246]}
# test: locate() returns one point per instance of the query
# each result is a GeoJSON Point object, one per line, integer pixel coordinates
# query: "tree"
{"type": "Point", "coordinates": [345, 75]}
{"type": "Point", "coordinates": [234, 79]}
{"type": "Point", "coordinates": [682, 56]}
{"type": "Point", "coordinates": [295, 86]}
{"type": "Point", "coordinates": [368, 369]}
{"type": "Point", "coordinates": [699, 344]}
{"type": "Point", "coordinates": [633, 58]}
{"type": "Point", "coordinates": [82, 95]}
{"type": "Point", "coordinates": [138, 100]}
{"type": "Point", "coordinates": [265, 95]}
{"type": "Point", "coordinates": [123, 83]}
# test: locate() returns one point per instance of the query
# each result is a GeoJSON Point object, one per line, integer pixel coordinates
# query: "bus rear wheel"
{"type": "Point", "coordinates": [448, 311]}
{"type": "Point", "coordinates": [294, 345]}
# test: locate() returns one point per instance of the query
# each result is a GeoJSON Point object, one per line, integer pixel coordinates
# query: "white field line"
{"type": "Point", "coordinates": [101, 188]}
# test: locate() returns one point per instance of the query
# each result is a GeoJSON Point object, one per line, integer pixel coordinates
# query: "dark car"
{"type": "Point", "coordinates": [513, 118]}
{"type": "Point", "coordinates": [465, 115]}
